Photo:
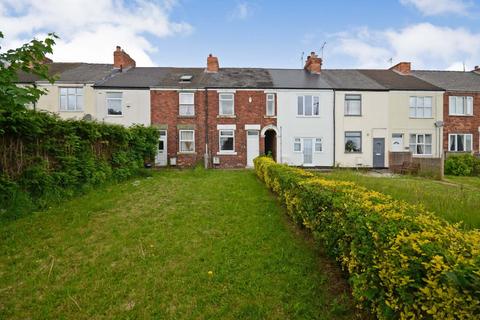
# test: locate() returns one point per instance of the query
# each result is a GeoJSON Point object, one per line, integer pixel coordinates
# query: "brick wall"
{"type": "Point", "coordinates": [461, 124]}
{"type": "Point", "coordinates": [249, 108]}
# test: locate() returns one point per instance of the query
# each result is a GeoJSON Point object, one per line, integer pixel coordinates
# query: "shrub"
{"type": "Point", "coordinates": [46, 158]}
{"type": "Point", "coordinates": [462, 165]}
{"type": "Point", "coordinates": [402, 261]}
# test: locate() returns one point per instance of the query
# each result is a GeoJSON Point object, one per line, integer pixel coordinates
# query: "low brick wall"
{"type": "Point", "coordinates": [396, 159]}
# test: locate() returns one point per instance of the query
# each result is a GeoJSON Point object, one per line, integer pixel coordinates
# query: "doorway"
{"type": "Point", "coordinates": [161, 158]}
{"type": "Point", "coordinates": [253, 146]}
{"type": "Point", "coordinates": [271, 143]}
{"type": "Point", "coordinates": [379, 152]}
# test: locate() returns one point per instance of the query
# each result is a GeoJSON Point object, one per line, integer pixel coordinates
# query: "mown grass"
{"type": "Point", "coordinates": [143, 249]}
{"type": "Point", "coordinates": [457, 199]}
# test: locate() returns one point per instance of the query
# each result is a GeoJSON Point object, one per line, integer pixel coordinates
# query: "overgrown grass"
{"type": "Point", "coordinates": [144, 249]}
{"type": "Point", "coordinates": [456, 199]}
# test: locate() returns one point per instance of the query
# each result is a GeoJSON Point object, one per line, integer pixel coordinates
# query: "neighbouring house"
{"type": "Point", "coordinates": [461, 107]}
{"type": "Point", "coordinates": [304, 115]}
{"type": "Point", "coordinates": [72, 95]}
{"type": "Point", "coordinates": [415, 112]}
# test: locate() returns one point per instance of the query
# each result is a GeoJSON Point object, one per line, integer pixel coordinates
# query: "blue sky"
{"type": "Point", "coordinates": [439, 34]}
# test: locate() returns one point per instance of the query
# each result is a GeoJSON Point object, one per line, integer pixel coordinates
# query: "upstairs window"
{"type": "Point", "coordinates": [421, 144]}
{"type": "Point", "coordinates": [353, 105]}
{"type": "Point", "coordinates": [460, 142]}
{"type": "Point", "coordinates": [226, 104]}
{"type": "Point", "coordinates": [71, 99]}
{"type": "Point", "coordinates": [187, 103]}
{"type": "Point", "coordinates": [421, 107]}
{"type": "Point", "coordinates": [460, 106]}
{"type": "Point", "coordinates": [270, 104]}
{"type": "Point", "coordinates": [187, 140]}
{"type": "Point", "coordinates": [114, 103]}
{"type": "Point", "coordinates": [308, 106]}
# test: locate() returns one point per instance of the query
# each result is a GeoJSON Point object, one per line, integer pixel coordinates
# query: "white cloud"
{"type": "Point", "coordinates": [90, 30]}
{"type": "Point", "coordinates": [438, 7]}
{"type": "Point", "coordinates": [424, 44]}
{"type": "Point", "coordinates": [242, 11]}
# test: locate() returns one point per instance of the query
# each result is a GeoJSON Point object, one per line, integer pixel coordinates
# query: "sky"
{"type": "Point", "coordinates": [431, 34]}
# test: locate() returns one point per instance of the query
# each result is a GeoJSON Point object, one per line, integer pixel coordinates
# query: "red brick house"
{"type": "Point", "coordinates": [461, 111]}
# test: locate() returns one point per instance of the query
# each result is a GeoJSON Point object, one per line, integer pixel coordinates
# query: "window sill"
{"type": "Point", "coordinates": [226, 116]}
{"type": "Point", "coordinates": [460, 115]}
{"type": "Point", "coordinates": [186, 117]}
{"type": "Point", "coordinates": [353, 115]}
{"type": "Point", "coordinates": [71, 111]}
{"type": "Point", "coordinates": [225, 153]}
{"type": "Point", "coordinates": [357, 152]}
{"type": "Point", "coordinates": [186, 153]}
{"type": "Point", "coordinates": [114, 115]}
{"type": "Point", "coordinates": [308, 117]}
{"type": "Point", "coordinates": [270, 117]}
{"type": "Point", "coordinates": [422, 118]}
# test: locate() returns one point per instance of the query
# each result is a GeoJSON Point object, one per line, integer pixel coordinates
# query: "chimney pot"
{"type": "Point", "coordinates": [212, 64]}
{"type": "Point", "coordinates": [121, 60]}
{"type": "Point", "coordinates": [404, 68]}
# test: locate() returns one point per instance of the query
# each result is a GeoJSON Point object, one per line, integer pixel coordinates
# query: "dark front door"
{"type": "Point", "coordinates": [379, 152]}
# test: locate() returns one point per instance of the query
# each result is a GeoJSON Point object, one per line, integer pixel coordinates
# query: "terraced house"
{"type": "Point", "coordinates": [312, 117]}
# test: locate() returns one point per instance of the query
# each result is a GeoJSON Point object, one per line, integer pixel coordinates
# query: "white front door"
{"type": "Point", "coordinates": [253, 147]}
{"type": "Point", "coordinates": [307, 151]}
{"type": "Point", "coordinates": [161, 158]}
{"type": "Point", "coordinates": [397, 142]}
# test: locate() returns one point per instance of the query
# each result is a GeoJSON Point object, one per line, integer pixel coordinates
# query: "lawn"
{"type": "Point", "coordinates": [190, 244]}
{"type": "Point", "coordinates": [455, 199]}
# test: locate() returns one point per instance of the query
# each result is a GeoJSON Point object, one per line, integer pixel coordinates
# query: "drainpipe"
{"type": "Point", "coordinates": [334, 129]}
{"type": "Point", "coordinates": [206, 156]}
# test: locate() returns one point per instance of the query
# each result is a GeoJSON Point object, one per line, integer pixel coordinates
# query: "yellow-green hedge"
{"type": "Point", "coordinates": [403, 262]}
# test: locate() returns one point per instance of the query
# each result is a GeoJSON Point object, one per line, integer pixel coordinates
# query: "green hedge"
{"type": "Point", "coordinates": [462, 165]}
{"type": "Point", "coordinates": [403, 262]}
{"type": "Point", "coordinates": [45, 158]}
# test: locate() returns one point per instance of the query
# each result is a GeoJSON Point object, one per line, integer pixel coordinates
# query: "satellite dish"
{"type": "Point", "coordinates": [88, 117]}
{"type": "Point", "coordinates": [439, 124]}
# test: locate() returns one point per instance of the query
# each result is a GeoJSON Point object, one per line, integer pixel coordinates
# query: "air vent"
{"type": "Point", "coordinates": [216, 160]}
{"type": "Point", "coordinates": [186, 78]}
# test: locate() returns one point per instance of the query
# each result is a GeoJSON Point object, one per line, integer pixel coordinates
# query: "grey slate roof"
{"type": "Point", "coordinates": [141, 77]}
{"type": "Point", "coordinates": [71, 72]}
{"type": "Point", "coordinates": [298, 79]}
{"type": "Point", "coordinates": [394, 81]}
{"type": "Point", "coordinates": [239, 78]}
{"type": "Point", "coordinates": [451, 80]}
{"type": "Point", "coordinates": [350, 80]}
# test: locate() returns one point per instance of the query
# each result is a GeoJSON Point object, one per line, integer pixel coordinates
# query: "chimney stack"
{"type": "Point", "coordinates": [212, 64]}
{"type": "Point", "coordinates": [121, 59]}
{"type": "Point", "coordinates": [313, 63]}
{"type": "Point", "coordinates": [404, 68]}
{"type": "Point", "coordinates": [477, 69]}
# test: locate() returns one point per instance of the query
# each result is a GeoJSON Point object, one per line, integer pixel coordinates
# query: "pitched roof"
{"type": "Point", "coordinates": [297, 79]}
{"type": "Point", "coordinates": [73, 72]}
{"type": "Point", "coordinates": [239, 78]}
{"type": "Point", "coordinates": [451, 80]}
{"type": "Point", "coordinates": [350, 80]}
{"type": "Point", "coordinates": [394, 81]}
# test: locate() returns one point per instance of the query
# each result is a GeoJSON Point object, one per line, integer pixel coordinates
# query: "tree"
{"type": "Point", "coordinates": [28, 58]}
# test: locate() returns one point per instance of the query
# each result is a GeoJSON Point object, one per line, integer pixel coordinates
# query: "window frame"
{"type": "Point", "coordinates": [220, 99]}
{"type": "Point", "coordinates": [345, 141]}
{"type": "Point", "coordinates": [299, 142]}
{"type": "Point", "coordinates": [270, 97]}
{"type": "Point", "coordinates": [416, 144]}
{"type": "Point", "coordinates": [121, 103]}
{"type": "Point", "coordinates": [465, 105]}
{"type": "Point", "coordinates": [455, 135]}
{"type": "Point", "coordinates": [180, 140]}
{"type": "Point", "coordinates": [313, 98]}
{"type": "Point", "coordinates": [180, 104]}
{"type": "Point", "coordinates": [316, 143]}
{"type": "Point", "coordinates": [416, 107]}
{"type": "Point", "coordinates": [77, 109]}
{"type": "Point", "coordinates": [220, 143]}
{"type": "Point", "coordinates": [346, 113]}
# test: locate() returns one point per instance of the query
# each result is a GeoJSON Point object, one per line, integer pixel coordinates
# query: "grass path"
{"type": "Point", "coordinates": [144, 249]}
{"type": "Point", "coordinates": [456, 199]}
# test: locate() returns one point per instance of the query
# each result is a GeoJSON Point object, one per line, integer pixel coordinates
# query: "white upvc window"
{"type": "Point", "coordinates": [226, 104]}
{"type": "Point", "coordinates": [421, 107]}
{"type": "Point", "coordinates": [353, 105]}
{"type": "Point", "coordinates": [114, 103]}
{"type": "Point", "coordinates": [226, 141]}
{"type": "Point", "coordinates": [71, 99]}
{"type": "Point", "coordinates": [318, 145]}
{"type": "Point", "coordinates": [421, 144]}
{"type": "Point", "coordinates": [187, 140]}
{"type": "Point", "coordinates": [297, 145]}
{"type": "Point", "coordinates": [460, 142]}
{"type": "Point", "coordinates": [270, 104]}
{"type": "Point", "coordinates": [186, 103]}
{"type": "Point", "coordinates": [460, 106]}
{"type": "Point", "coordinates": [308, 106]}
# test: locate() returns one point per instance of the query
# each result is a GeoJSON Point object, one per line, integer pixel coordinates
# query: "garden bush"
{"type": "Point", "coordinates": [402, 261]}
{"type": "Point", "coordinates": [462, 165]}
{"type": "Point", "coordinates": [45, 158]}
